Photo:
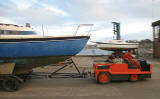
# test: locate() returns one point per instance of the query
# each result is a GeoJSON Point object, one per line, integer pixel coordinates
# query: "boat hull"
{"type": "Point", "coordinates": [20, 48]}
{"type": "Point", "coordinates": [116, 46]}
{"type": "Point", "coordinates": [31, 53]}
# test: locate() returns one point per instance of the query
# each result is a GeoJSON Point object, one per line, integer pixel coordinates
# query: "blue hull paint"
{"type": "Point", "coordinates": [67, 47]}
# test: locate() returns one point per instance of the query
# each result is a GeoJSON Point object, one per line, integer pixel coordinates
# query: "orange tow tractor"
{"type": "Point", "coordinates": [104, 73]}
{"type": "Point", "coordinates": [124, 70]}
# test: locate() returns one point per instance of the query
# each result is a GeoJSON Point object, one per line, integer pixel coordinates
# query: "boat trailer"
{"type": "Point", "coordinates": [103, 73]}
{"type": "Point", "coordinates": [10, 82]}
{"type": "Point", "coordinates": [56, 74]}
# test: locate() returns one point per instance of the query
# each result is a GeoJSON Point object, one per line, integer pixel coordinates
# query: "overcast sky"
{"type": "Point", "coordinates": [61, 17]}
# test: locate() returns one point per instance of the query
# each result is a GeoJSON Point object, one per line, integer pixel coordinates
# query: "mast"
{"type": "Point", "coordinates": [42, 29]}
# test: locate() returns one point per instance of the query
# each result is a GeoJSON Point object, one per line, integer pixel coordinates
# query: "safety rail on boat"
{"type": "Point", "coordinates": [80, 25]}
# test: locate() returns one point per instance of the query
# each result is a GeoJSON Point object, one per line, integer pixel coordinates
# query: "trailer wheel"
{"type": "Point", "coordinates": [10, 84]}
{"type": "Point", "coordinates": [133, 77]}
{"type": "Point", "coordinates": [104, 78]}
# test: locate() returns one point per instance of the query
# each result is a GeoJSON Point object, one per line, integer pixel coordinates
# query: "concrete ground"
{"type": "Point", "coordinates": [80, 88]}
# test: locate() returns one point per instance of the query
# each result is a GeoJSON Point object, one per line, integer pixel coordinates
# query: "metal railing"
{"type": "Point", "coordinates": [82, 25]}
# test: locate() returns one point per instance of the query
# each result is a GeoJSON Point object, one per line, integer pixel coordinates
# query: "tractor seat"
{"type": "Point", "coordinates": [130, 66]}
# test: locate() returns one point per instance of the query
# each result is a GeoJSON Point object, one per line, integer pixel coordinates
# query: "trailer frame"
{"type": "Point", "coordinates": [11, 82]}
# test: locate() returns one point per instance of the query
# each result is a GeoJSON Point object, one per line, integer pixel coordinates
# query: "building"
{"type": "Point", "coordinates": [156, 39]}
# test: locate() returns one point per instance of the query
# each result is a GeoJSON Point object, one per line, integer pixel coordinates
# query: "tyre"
{"type": "Point", "coordinates": [104, 78]}
{"type": "Point", "coordinates": [133, 77]}
{"type": "Point", "coordinates": [10, 84]}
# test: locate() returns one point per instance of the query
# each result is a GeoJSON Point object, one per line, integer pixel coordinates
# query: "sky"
{"type": "Point", "coordinates": [61, 17]}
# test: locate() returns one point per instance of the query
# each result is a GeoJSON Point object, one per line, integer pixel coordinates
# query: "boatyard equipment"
{"type": "Point", "coordinates": [104, 73]}
{"type": "Point", "coordinates": [116, 30]}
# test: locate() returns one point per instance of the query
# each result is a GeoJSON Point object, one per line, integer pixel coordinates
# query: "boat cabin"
{"type": "Point", "coordinates": [12, 29]}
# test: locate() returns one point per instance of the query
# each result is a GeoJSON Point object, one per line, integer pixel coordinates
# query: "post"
{"type": "Point", "coordinates": [42, 29]}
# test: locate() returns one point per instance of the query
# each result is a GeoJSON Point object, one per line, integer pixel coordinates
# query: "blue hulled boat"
{"type": "Point", "coordinates": [41, 46]}
{"type": "Point", "coordinates": [29, 51]}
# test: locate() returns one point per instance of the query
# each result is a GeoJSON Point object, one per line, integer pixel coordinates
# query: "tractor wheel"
{"type": "Point", "coordinates": [133, 77]}
{"type": "Point", "coordinates": [10, 84]}
{"type": "Point", "coordinates": [104, 78]}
